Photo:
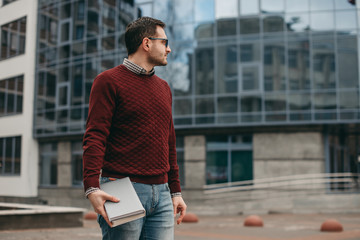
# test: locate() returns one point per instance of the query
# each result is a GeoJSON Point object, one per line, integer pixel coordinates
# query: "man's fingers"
{"type": "Point", "coordinates": [182, 215]}
{"type": "Point", "coordinates": [111, 198]}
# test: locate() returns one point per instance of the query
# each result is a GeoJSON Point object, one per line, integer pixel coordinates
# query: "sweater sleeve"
{"type": "Point", "coordinates": [101, 109]}
{"type": "Point", "coordinates": [173, 174]}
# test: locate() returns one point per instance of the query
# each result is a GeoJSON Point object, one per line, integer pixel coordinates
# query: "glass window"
{"type": "Point", "coordinates": [250, 78]}
{"type": "Point", "coordinates": [272, 6]}
{"type": "Point", "coordinates": [48, 164]}
{"type": "Point", "coordinates": [297, 6]}
{"type": "Point", "coordinates": [228, 159]}
{"type": "Point", "coordinates": [204, 106]}
{"type": "Point", "coordinates": [227, 69]}
{"type": "Point", "coordinates": [349, 100]}
{"type": "Point", "coordinates": [274, 67]}
{"type": "Point", "coordinates": [11, 95]}
{"type": "Point", "coordinates": [345, 20]}
{"type": "Point", "coordinates": [320, 5]}
{"type": "Point", "coordinates": [10, 156]}
{"type": "Point", "coordinates": [7, 2]}
{"type": "Point", "coordinates": [248, 7]}
{"type": "Point", "coordinates": [275, 102]}
{"type": "Point", "coordinates": [250, 52]}
{"type": "Point", "coordinates": [322, 21]}
{"type": "Point", "coordinates": [182, 107]}
{"type": "Point", "coordinates": [250, 104]}
{"type": "Point", "coordinates": [250, 25]}
{"type": "Point", "coordinates": [76, 163]}
{"type": "Point", "coordinates": [183, 32]}
{"type": "Point", "coordinates": [324, 63]}
{"type": "Point", "coordinates": [184, 11]}
{"type": "Point", "coordinates": [347, 61]}
{"type": "Point", "coordinates": [227, 105]}
{"type": "Point", "coordinates": [299, 101]}
{"type": "Point", "coordinates": [204, 10]}
{"type": "Point", "coordinates": [204, 30]}
{"type": "Point", "coordinates": [204, 71]}
{"type": "Point", "coordinates": [325, 101]}
{"type": "Point", "coordinates": [273, 24]}
{"type": "Point", "coordinates": [226, 9]}
{"type": "Point", "coordinates": [145, 9]}
{"type": "Point", "coordinates": [226, 27]}
{"type": "Point", "coordinates": [297, 22]}
{"type": "Point", "coordinates": [340, 4]}
{"type": "Point", "coordinates": [13, 37]}
{"type": "Point", "coordinates": [299, 65]}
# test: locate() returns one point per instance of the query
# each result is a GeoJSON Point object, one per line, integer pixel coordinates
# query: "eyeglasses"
{"type": "Point", "coordinates": [164, 39]}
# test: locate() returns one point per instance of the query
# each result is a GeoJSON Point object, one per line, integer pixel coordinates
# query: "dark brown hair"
{"type": "Point", "coordinates": [137, 30]}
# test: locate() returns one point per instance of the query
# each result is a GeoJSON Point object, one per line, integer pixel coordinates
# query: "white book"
{"type": "Point", "coordinates": [129, 208]}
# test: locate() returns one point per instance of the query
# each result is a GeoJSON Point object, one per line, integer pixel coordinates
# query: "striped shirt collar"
{"type": "Point", "coordinates": [137, 69]}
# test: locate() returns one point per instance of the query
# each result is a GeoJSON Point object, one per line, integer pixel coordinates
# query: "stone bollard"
{"type": "Point", "coordinates": [90, 216]}
{"type": "Point", "coordinates": [253, 221]}
{"type": "Point", "coordinates": [331, 225]}
{"type": "Point", "coordinates": [190, 218]}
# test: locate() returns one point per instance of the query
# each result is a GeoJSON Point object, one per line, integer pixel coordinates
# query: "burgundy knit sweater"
{"type": "Point", "coordinates": [129, 130]}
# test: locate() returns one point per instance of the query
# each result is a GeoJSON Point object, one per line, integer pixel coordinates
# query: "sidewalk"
{"type": "Point", "coordinates": [276, 227]}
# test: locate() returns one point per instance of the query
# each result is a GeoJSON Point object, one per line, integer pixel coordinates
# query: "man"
{"type": "Point", "coordinates": [130, 133]}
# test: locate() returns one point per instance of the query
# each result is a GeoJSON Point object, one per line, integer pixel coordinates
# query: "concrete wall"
{"type": "Point", "coordinates": [26, 184]}
{"type": "Point", "coordinates": [284, 154]}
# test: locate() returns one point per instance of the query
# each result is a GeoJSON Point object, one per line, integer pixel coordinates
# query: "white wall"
{"type": "Point", "coordinates": [26, 184]}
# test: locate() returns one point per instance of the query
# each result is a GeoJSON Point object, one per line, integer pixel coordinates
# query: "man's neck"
{"type": "Point", "coordinates": [140, 61]}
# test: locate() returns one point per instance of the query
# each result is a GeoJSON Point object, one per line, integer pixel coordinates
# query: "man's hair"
{"type": "Point", "coordinates": [137, 30]}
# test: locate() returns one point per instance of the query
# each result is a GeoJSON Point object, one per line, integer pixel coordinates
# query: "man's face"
{"type": "Point", "coordinates": [158, 51]}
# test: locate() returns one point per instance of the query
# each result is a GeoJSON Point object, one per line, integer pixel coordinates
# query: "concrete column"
{"type": "Point", "coordinates": [285, 154]}
{"type": "Point", "coordinates": [195, 161]}
{"type": "Point", "coordinates": [64, 177]}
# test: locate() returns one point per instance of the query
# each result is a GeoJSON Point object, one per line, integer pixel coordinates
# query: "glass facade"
{"type": "Point", "coordinates": [233, 63]}
{"type": "Point", "coordinates": [13, 36]}
{"type": "Point", "coordinates": [48, 164]}
{"type": "Point", "coordinates": [10, 156]}
{"type": "Point", "coordinates": [76, 41]}
{"type": "Point", "coordinates": [11, 96]}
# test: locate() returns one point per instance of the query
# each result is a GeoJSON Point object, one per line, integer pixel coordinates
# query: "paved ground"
{"type": "Point", "coordinates": [276, 227]}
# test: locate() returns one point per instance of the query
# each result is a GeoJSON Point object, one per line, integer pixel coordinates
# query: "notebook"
{"type": "Point", "coordinates": [129, 208]}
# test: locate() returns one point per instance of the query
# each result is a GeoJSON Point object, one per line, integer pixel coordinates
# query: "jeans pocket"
{"type": "Point", "coordinates": [167, 187]}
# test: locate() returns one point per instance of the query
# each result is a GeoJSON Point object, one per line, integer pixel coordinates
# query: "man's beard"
{"type": "Point", "coordinates": [157, 61]}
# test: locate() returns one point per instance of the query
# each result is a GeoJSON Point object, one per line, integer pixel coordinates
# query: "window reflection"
{"type": "Point", "coordinates": [319, 5]}
{"type": "Point", "coordinates": [322, 21]}
{"type": "Point", "coordinates": [324, 63]}
{"type": "Point", "coordinates": [273, 24]}
{"type": "Point", "coordinates": [204, 10]}
{"type": "Point", "coordinates": [297, 6]}
{"type": "Point", "coordinates": [250, 104]}
{"type": "Point", "coordinates": [347, 62]}
{"type": "Point", "coordinates": [184, 11]}
{"type": "Point", "coordinates": [226, 27]}
{"type": "Point", "coordinates": [227, 105]}
{"type": "Point", "coordinates": [299, 65]}
{"type": "Point", "coordinates": [276, 6]}
{"type": "Point", "coordinates": [248, 7]}
{"type": "Point", "coordinates": [182, 107]}
{"type": "Point", "coordinates": [205, 30]}
{"type": "Point", "coordinates": [345, 20]}
{"type": "Point", "coordinates": [204, 71]}
{"type": "Point", "coordinates": [226, 9]}
{"type": "Point", "coordinates": [340, 4]}
{"type": "Point", "coordinates": [274, 67]}
{"type": "Point", "coordinates": [349, 100]}
{"type": "Point", "coordinates": [299, 101]}
{"type": "Point", "coordinates": [250, 78]}
{"type": "Point", "coordinates": [324, 101]}
{"type": "Point", "coordinates": [250, 52]}
{"type": "Point", "coordinates": [275, 102]}
{"type": "Point", "coordinates": [297, 22]}
{"type": "Point", "coordinates": [227, 69]}
{"type": "Point", "coordinates": [204, 106]}
{"type": "Point", "coordinates": [249, 25]}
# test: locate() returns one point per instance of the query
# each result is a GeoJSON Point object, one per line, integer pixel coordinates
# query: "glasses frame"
{"type": "Point", "coordinates": [164, 39]}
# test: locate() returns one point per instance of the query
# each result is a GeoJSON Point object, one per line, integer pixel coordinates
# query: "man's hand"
{"type": "Point", "coordinates": [179, 207]}
{"type": "Point", "coordinates": [98, 199]}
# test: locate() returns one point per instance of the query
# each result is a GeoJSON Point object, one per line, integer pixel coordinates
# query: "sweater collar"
{"type": "Point", "coordinates": [137, 69]}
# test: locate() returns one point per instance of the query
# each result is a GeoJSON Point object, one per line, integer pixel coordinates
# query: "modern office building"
{"type": "Point", "coordinates": [18, 148]}
{"type": "Point", "coordinates": [261, 88]}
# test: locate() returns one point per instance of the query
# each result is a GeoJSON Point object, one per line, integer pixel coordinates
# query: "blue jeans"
{"type": "Point", "coordinates": [158, 224]}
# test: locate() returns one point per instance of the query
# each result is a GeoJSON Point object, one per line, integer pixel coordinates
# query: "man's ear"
{"type": "Point", "coordinates": [145, 44]}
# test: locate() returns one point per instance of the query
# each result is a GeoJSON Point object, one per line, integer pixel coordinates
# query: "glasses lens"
{"type": "Point", "coordinates": [166, 43]}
